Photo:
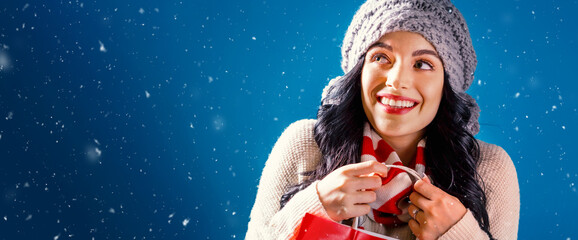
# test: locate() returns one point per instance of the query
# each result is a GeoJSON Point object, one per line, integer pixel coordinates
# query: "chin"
{"type": "Point", "coordinates": [388, 129]}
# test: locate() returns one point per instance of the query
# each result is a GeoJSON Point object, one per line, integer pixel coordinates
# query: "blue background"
{"type": "Point", "coordinates": [153, 119]}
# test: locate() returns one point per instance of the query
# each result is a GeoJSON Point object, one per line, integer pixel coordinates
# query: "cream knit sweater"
{"type": "Point", "coordinates": [296, 152]}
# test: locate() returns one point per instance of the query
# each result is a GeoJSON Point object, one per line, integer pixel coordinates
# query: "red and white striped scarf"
{"type": "Point", "coordinates": [390, 208]}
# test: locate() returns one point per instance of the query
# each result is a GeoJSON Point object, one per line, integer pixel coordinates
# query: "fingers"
{"type": "Point", "coordinates": [355, 184]}
{"type": "Point", "coordinates": [417, 214]}
{"type": "Point", "coordinates": [427, 195]}
{"type": "Point", "coordinates": [419, 223]}
{"type": "Point", "coordinates": [358, 210]}
{"type": "Point", "coordinates": [426, 179]}
{"type": "Point", "coordinates": [366, 168]}
{"type": "Point", "coordinates": [365, 197]}
{"type": "Point", "coordinates": [415, 228]}
{"type": "Point", "coordinates": [426, 189]}
{"type": "Point", "coordinates": [433, 211]}
{"type": "Point", "coordinates": [356, 204]}
{"type": "Point", "coordinates": [367, 183]}
{"type": "Point", "coordinates": [419, 200]}
{"type": "Point", "coordinates": [365, 175]}
{"type": "Point", "coordinates": [346, 192]}
{"type": "Point", "coordinates": [412, 210]}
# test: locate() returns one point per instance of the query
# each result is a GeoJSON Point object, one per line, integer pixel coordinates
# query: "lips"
{"type": "Point", "coordinates": [396, 104]}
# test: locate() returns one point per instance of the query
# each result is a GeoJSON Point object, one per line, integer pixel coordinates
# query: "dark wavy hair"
{"type": "Point", "coordinates": [451, 153]}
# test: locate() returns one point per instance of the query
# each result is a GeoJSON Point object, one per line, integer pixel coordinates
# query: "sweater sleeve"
{"type": "Point", "coordinates": [500, 182]}
{"type": "Point", "coordinates": [295, 152]}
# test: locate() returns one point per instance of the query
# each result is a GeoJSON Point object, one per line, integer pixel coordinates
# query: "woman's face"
{"type": "Point", "coordinates": [401, 83]}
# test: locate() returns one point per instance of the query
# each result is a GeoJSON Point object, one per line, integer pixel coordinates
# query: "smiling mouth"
{"type": "Point", "coordinates": [400, 104]}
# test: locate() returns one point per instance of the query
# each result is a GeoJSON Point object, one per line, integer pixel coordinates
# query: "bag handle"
{"type": "Point", "coordinates": [410, 171]}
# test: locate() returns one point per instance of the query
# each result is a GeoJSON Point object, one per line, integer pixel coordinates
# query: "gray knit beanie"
{"type": "Point", "coordinates": [438, 21]}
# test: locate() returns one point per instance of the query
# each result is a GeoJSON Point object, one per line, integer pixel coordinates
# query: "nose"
{"type": "Point", "coordinates": [398, 77]}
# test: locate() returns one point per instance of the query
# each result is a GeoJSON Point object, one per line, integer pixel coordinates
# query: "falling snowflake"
{"type": "Point", "coordinates": [102, 48]}
{"type": "Point", "coordinates": [186, 222]}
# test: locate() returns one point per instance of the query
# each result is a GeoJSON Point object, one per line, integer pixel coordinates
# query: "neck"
{"type": "Point", "coordinates": [404, 146]}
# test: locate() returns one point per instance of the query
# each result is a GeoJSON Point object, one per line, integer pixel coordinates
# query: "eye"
{"type": "Point", "coordinates": [380, 58]}
{"type": "Point", "coordinates": [423, 65]}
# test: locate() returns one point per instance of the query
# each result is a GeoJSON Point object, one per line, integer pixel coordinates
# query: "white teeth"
{"type": "Point", "coordinates": [397, 104]}
{"type": "Point", "coordinates": [391, 102]}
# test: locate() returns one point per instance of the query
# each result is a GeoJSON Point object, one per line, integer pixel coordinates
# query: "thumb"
{"type": "Point", "coordinates": [426, 179]}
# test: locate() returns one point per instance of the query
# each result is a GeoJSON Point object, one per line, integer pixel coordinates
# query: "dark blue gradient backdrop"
{"type": "Point", "coordinates": [153, 119]}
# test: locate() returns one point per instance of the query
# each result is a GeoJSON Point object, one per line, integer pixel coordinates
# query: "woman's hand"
{"type": "Point", "coordinates": [347, 191]}
{"type": "Point", "coordinates": [433, 211]}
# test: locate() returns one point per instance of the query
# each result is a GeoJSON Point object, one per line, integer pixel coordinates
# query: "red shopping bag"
{"type": "Point", "coordinates": [318, 228]}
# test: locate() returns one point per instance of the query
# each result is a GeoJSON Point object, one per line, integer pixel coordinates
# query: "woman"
{"type": "Point", "coordinates": [402, 102]}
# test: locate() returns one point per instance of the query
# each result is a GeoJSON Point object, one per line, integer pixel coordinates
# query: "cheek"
{"type": "Point", "coordinates": [435, 95]}
{"type": "Point", "coordinates": [432, 94]}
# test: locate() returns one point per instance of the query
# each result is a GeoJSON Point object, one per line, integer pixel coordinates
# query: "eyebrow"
{"type": "Point", "coordinates": [424, 52]}
{"type": "Point", "coordinates": [381, 45]}
{"type": "Point", "coordinates": [414, 54]}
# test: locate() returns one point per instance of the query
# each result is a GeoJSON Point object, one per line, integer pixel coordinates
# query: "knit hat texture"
{"type": "Point", "coordinates": [438, 21]}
